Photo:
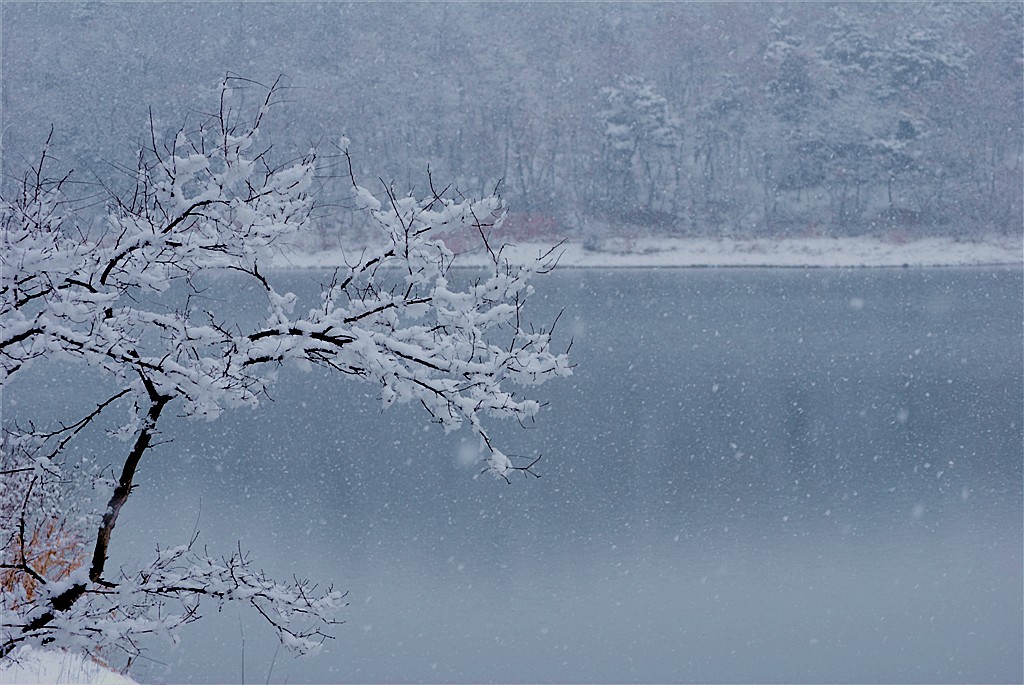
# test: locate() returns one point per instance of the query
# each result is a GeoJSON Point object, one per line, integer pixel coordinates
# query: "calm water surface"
{"type": "Point", "coordinates": [754, 475]}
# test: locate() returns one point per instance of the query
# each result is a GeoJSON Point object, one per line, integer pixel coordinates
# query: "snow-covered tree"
{"type": "Point", "coordinates": [119, 298]}
{"type": "Point", "coordinates": [790, 88]}
{"type": "Point", "coordinates": [642, 134]}
{"type": "Point", "coordinates": [849, 126]}
{"type": "Point", "coordinates": [786, 132]}
{"type": "Point", "coordinates": [876, 123]}
{"type": "Point", "coordinates": [719, 150]}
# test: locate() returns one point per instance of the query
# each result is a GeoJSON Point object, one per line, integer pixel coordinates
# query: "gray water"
{"type": "Point", "coordinates": [753, 475]}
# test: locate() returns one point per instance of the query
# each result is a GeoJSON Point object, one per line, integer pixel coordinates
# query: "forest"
{"type": "Point", "coordinates": [897, 120]}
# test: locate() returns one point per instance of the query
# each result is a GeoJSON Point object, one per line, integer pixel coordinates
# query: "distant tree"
{"type": "Point", "coordinates": [721, 150]}
{"type": "Point", "coordinates": [850, 116]}
{"type": "Point", "coordinates": [210, 202]}
{"type": "Point", "coordinates": [851, 46]}
{"type": "Point", "coordinates": [983, 123]}
{"type": "Point", "coordinates": [791, 89]}
{"type": "Point", "coordinates": [786, 130]}
{"type": "Point", "coordinates": [859, 148]}
{"type": "Point", "coordinates": [922, 55]}
{"type": "Point", "coordinates": [641, 136]}
{"type": "Point", "coordinates": [879, 108]}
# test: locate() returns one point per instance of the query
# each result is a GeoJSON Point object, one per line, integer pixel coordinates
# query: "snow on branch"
{"type": "Point", "coordinates": [209, 202]}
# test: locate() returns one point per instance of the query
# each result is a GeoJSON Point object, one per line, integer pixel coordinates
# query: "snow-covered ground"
{"type": "Point", "coordinates": [727, 252]}
{"type": "Point", "coordinates": [45, 666]}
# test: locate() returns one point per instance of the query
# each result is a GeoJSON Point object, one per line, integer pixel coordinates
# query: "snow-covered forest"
{"type": "Point", "coordinates": [738, 119]}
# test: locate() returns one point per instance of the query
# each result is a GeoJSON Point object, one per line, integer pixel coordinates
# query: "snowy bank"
{"type": "Point", "coordinates": [728, 252]}
{"type": "Point", "coordinates": [43, 666]}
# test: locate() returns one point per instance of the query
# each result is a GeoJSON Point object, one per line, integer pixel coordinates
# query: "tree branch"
{"type": "Point", "coordinates": [124, 485]}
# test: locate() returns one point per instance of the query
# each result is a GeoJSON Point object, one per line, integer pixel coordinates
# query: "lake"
{"type": "Point", "coordinates": [754, 475]}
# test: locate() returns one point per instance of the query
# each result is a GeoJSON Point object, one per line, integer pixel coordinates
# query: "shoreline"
{"type": "Point", "coordinates": [712, 253]}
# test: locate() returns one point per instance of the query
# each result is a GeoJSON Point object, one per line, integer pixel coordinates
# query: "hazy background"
{"type": "Point", "coordinates": [747, 119]}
